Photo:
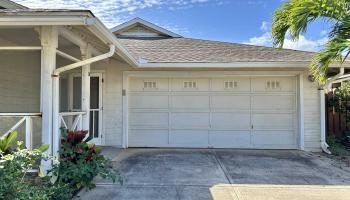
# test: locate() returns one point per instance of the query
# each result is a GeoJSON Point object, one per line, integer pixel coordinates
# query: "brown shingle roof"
{"type": "Point", "coordinates": [187, 50]}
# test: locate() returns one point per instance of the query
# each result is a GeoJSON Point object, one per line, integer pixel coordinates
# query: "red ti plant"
{"type": "Point", "coordinates": [80, 161]}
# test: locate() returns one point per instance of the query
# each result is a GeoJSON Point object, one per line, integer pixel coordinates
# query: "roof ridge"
{"type": "Point", "coordinates": [244, 44]}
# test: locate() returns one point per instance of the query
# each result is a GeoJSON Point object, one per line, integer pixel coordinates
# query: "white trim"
{"type": "Point", "coordinates": [20, 114]}
{"type": "Point", "coordinates": [125, 103]}
{"type": "Point", "coordinates": [301, 113]}
{"type": "Point", "coordinates": [144, 23]}
{"type": "Point", "coordinates": [303, 65]}
{"type": "Point", "coordinates": [17, 48]}
{"type": "Point", "coordinates": [20, 20]}
{"type": "Point", "coordinates": [198, 74]}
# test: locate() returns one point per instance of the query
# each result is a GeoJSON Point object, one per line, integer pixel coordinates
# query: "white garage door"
{"type": "Point", "coordinates": [231, 112]}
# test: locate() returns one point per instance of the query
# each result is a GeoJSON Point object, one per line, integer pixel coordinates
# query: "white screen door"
{"type": "Point", "coordinates": [95, 129]}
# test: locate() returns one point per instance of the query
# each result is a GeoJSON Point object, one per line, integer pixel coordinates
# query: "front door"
{"type": "Point", "coordinates": [95, 130]}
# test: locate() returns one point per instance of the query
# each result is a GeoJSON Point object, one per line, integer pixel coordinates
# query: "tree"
{"type": "Point", "coordinates": [293, 19]}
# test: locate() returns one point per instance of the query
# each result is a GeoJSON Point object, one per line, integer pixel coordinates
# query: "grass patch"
{"type": "Point", "coordinates": [339, 151]}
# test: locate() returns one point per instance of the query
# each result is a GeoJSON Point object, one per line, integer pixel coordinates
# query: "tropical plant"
{"type": "Point", "coordinates": [80, 162]}
{"type": "Point", "coordinates": [6, 141]}
{"type": "Point", "coordinates": [293, 19]}
{"type": "Point", "coordinates": [16, 183]}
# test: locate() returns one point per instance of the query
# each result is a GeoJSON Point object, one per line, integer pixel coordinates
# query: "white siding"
{"type": "Point", "coordinates": [113, 107]}
{"type": "Point", "coordinates": [311, 115]}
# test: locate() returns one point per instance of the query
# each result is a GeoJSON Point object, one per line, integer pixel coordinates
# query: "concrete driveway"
{"type": "Point", "coordinates": [167, 174]}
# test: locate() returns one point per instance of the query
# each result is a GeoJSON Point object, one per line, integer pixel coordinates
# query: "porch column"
{"type": "Point", "coordinates": [85, 90]}
{"type": "Point", "coordinates": [49, 42]}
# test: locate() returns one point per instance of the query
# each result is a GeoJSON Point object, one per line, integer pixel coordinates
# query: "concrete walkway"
{"type": "Point", "coordinates": [167, 174]}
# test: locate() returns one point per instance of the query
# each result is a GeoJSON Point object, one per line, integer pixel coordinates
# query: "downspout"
{"type": "Point", "coordinates": [328, 87]}
{"type": "Point", "coordinates": [55, 92]}
{"type": "Point", "coordinates": [85, 62]}
{"type": "Point", "coordinates": [324, 145]}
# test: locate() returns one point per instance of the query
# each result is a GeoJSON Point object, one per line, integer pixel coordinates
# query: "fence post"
{"type": "Point", "coordinates": [29, 132]}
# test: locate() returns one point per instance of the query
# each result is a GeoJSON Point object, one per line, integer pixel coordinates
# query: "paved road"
{"type": "Point", "coordinates": [168, 174]}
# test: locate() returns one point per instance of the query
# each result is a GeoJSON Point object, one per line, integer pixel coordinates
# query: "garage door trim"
{"type": "Point", "coordinates": [215, 74]}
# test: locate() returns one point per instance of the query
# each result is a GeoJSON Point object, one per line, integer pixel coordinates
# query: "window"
{"type": "Point", "coordinates": [149, 85]}
{"type": "Point", "coordinates": [273, 85]}
{"type": "Point", "coordinates": [230, 84]}
{"type": "Point", "coordinates": [190, 85]}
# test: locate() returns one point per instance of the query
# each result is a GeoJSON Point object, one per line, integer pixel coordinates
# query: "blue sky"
{"type": "Point", "coordinates": [243, 21]}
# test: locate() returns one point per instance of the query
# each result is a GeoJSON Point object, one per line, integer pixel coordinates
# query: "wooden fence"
{"type": "Point", "coordinates": [335, 121]}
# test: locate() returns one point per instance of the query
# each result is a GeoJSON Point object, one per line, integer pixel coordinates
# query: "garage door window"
{"type": "Point", "coordinates": [273, 85]}
{"type": "Point", "coordinates": [229, 85]}
{"type": "Point", "coordinates": [190, 85]}
{"type": "Point", "coordinates": [149, 85]}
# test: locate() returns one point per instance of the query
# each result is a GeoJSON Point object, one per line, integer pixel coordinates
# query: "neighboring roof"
{"type": "Point", "coordinates": [187, 50]}
{"type": "Point", "coordinates": [7, 4]}
{"type": "Point", "coordinates": [138, 21]}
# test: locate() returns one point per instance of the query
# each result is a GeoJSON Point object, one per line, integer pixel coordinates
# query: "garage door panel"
{"type": "Point", "coordinates": [277, 138]}
{"type": "Point", "coordinates": [137, 84]}
{"type": "Point", "coordinates": [273, 84]}
{"type": "Point", "coordinates": [149, 119]}
{"type": "Point", "coordinates": [242, 84]}
{"type": "Point", "coordinates": [237, 102]}
{"type": "Point", "coordinates": [229, 139]}
{"type": "Point", "coordinates": [253, 112]}
{"type": "Point", "coordinates": [148, 101]}
{"type": "Point", "coordinates": [273, 121]}
{"type": "Point", "coordinates": [189, 102]}
{"type": "Point", "coordinates": [148, 138]}
{"type": "Point", "coordinates": [190, 120]}
{"type": "Point", "coordinates": [273, 102]}
{"type": "Point", "coordinates": [236, 121]}
{"type": "Point", "coordinates": [189, 138]}
{"type": "Point", "coordinates": [202, 84]}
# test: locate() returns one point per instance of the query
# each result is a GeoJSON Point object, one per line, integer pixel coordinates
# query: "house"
{"type": "Point", "coordinates": [140, 85]}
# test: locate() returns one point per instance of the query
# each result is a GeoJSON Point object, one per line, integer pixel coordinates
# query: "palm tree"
{"type": "Point", "coordinates": [293, 18]}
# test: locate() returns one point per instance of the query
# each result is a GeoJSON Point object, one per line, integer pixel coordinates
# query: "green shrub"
{"type": "Point", "coordinates": [80, 162]}
{"type": "Point", "coordinates": [6, 141]}
{"type": "Point", "coordinates": [15, 183]}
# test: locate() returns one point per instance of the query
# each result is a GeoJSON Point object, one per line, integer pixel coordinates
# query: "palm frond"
{"type": "Point", "coordinates": [336, 50]}
{"type": "Point", "coordinates": [295, 15]}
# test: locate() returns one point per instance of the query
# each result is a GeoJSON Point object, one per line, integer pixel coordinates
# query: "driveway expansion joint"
{"type": "Point", "coordinates": [222, 167]}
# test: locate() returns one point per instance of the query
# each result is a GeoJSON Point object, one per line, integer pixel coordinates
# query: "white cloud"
{"type": "Point", "coordinates": [263, 40]}
{"type": "Point", "coordinates": [113, 12]}
{"type": "Point", "coordinates": [265, 26]}
{"type": "Point", "coordinates": [303, 43]}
